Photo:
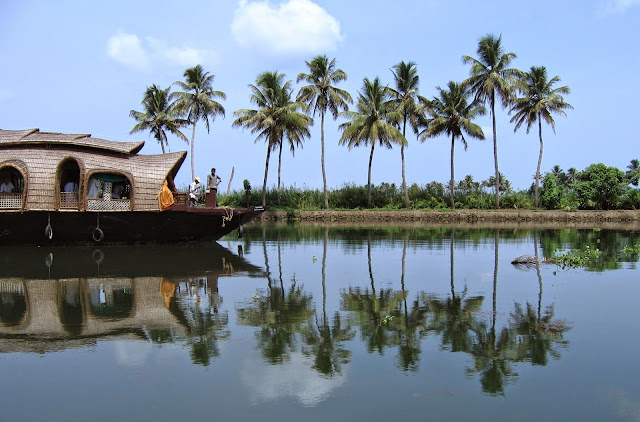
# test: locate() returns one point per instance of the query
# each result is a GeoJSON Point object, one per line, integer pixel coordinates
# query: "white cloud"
{"type": "Point", "coordinates": [130, 51]}
{"type": "Point", "coordinates": [611, 7]}
{"type": "Point", "coordinates": [127, 49]}
{"type": "Point", "coordinates": [292, 27]}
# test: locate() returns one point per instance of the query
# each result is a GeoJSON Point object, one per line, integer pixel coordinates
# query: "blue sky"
{"type": "Point", "coordinates": [80, 67]}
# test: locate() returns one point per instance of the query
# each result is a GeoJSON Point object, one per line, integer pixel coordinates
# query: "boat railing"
{"type": "Point", "coordinates": [108, 205]}
{"type": "Point", "coordinates": [10, 200]}
{"type": "Point", "coordinates": [69, 200]}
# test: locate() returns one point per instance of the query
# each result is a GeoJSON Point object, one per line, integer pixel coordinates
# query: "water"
{"type": "Point", "coordinates": [323, 323]}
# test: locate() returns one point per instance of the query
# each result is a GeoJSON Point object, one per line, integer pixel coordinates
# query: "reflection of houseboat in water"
{"type": "Point", "coordinates": [63, 188]}
{"type": "Point", "coordinates": [39, 313]}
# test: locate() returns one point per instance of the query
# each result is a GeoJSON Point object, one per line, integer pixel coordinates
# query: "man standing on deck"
{"type": "Point", "coordinates": [212, 188]}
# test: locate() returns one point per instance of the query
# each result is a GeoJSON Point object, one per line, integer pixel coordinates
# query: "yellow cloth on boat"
{"type": "Point", "coordinates": [165, 197]}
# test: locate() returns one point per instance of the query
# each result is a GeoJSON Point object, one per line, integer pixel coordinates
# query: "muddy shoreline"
{"type": "Point", "coordinates": [624, 219]}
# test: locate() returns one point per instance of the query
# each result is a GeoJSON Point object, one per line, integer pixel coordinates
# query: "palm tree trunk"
{"type": "Point", "coordinates": [193, 138]}
{"type": "Point", "coordinates": [451, 183]}
{"type": "Point", "coordinates": [279, 166]}
{"type": "Point", "coordinates": [373, 144]}
{"type": "Point", "coordinates": [453, 288]}
{"type": "Point", "coordinates": [266, 171]}
{"type": "Point", "coordinates": [324, 266]}
{"type": "Point", "coordinates": [495, 147]}
{"type": "Point", "coordinates": [539, 162]}
{"type": "Point", "coordinates": [324, 175]}
{"type": "Point", "coordinates": [404, 180]}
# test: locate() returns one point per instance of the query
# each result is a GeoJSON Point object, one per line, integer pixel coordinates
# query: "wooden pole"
{"type": "Point", "coordinates": [230, 179]}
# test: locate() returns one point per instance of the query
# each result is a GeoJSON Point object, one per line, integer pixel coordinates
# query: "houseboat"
{"type": "Point", "coordinates": [73, 188]}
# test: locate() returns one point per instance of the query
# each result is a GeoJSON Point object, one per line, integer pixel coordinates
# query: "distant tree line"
{"type": "Point", "coordinates": [381, 116]}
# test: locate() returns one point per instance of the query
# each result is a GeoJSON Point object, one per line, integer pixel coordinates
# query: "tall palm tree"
{"type": "Point", "coordinates": [159, 116]}
{"type": "Point", "coordinates": [197, 101]}
{"type": "Point", "coordinates": [410, 104]}
{"type": "Point", "coordinates": [452, 114]}
{"type": "Point", "coordinates": [373, 122]}
{"type": "Point", "coordinates": [539, 100]}
{"type": "Point", "coordinates": [321, 95]}
{"type": "Point", "coordinates": [274, 116]}
{"type": "Point", "coordinates": [294, 125]}
{"type": "Point", "coordinates": [489, 77]}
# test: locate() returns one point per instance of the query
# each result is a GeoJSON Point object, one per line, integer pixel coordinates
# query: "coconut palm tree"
{"type": "Point", "coordinates": [633, 172]}
{"type": "Point", "coordinates": [293, 124]}
{"type": "Point", "coordinates": [321, 95]}
{"type": "Point", "coordinates": [410, 104]}
{"type": "Point", "coordinates": [159, 116]}
{"type": "Point", "coordinates": [539, 100]}
{"type": "Point", "coordinates": [274, 117]}
{"type": "Point", "coordinates": [489, 77]}
{"type": "Point", "coordinates": [373, 122]}
{"type": "Point", "coordinates": [452, 114]}
{"type": "Point", "coordinates": [197, 101]}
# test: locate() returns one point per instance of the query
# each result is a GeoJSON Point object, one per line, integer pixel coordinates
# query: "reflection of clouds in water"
{"type": "Point", "coordinates": [294, 378]}
{"type": "Point", "coordinates": [623, 405]}
{"type": "Point", "coordinates": [132, 353]}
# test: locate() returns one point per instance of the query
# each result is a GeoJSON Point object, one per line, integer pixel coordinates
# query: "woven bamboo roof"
{"type": "Point", "coordinates": [34, 136]}
{"type": "Point", "coordinates": [40, 164]}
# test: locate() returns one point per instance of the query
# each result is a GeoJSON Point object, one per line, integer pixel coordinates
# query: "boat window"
{"type": "Point", "coordinates": [69, 179]}
{"type": "Point", "coordinates": [11, 188]}
{"type": "Point", "coordinates": [109, 191]}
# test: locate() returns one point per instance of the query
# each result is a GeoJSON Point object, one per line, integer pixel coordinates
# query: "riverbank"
{"type": "Point", "coordinates": [629, 218]}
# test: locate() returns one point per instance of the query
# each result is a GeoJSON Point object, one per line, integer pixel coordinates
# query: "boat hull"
{"type": "Point", "coordinates": [86, 227]}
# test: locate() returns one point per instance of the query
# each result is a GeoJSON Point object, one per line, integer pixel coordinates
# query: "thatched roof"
{"type": "Point", "coordinates": [31, 153]}
{"type": "Point", "coordinates": [34, 136]}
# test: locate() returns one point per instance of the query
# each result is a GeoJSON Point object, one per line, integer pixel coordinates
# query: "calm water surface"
{"type": "Point", "coordinates": [323, 323]}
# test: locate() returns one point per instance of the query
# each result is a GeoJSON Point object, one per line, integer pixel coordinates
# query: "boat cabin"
{"type": "Point", "coordinates": [42, 171]}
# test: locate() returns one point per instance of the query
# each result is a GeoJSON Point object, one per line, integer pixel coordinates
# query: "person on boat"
{"type": "Point", "coordinates": [213, 180]}
{"type": "Point", "coordinates": [116, 193]}
{"type": "Point", "coordinates": [94, 188]}
{"type": "Point", "coordinates": [7, 185]}
{"type": "Point", "coordinates": [70, 186]}
{"type": "Point", "coordinates": [194, 191]}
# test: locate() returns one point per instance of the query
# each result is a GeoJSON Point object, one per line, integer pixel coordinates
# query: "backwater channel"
{"type": "Point", "coordinates": [316, 323]}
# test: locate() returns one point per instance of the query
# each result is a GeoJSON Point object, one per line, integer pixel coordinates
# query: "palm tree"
{"type": "Point", "coordinates": [452, 114]}
{"type": "Point", "coordinates": [274, 116]}
{"type": "Point", "coordinates": [159, 115]}
{"type": "Point", "coordinates": [539, 100]}
{"type": "Point", "coordinates": [293, 124]}
{"type": "Point", "coordinates": [197, 101]}
{"type": "Point", "coordinates": [321, 95]}
{"type": "Point", "coordinates": [410, 104]}
{"type": "Point", "coordinates": [633, 172]}
{"type": "Point", "coordinates": [373, 122]}
{"type": "Point", "coordinates": [491, 76]}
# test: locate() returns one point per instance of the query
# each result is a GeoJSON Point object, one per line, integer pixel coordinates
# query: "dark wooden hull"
{"type": "Point", "coordinates": [179, 224]}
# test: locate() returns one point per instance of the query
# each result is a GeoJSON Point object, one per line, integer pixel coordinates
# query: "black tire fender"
{"type": "Point", "coordinates": [97, 234]}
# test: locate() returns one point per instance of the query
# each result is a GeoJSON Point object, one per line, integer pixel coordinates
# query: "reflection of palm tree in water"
{"type": "Point", "coordinates": [280, 314]}
{"type": "Point", "coordinates": [326, 344]}
{"type": "Point", "coordinates": [453, 317]}
{"type": "Point", "coordinates": [492, 353]}
{"type": "Point", "coordinates": [374, 311]}
{"type": "Point", "coordinates": [539, 333]}
{"type": "Point", "coordinates": [408, 332]}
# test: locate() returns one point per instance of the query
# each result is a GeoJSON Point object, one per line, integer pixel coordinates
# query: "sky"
{"type": "Point", "coordinates": [80, 67]}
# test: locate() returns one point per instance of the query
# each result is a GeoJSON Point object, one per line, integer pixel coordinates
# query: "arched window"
{"type": "Point", "coordinates": [11, 188]}
{"type": "Point", "coordinates": [109, 192]}
{"type": "Point", "coordinates": [68, 178]}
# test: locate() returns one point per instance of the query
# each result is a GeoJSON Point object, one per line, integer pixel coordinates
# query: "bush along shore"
{"type": "Point", "coordinates": [563, 200]}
